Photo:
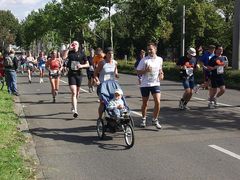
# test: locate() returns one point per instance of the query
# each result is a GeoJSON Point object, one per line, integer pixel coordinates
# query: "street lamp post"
{"type": "Point", "coordinates": [236, 36]}
{"type": "Point", "coordinates": [110, 22]}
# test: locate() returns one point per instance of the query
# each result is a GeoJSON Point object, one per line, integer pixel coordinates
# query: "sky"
{"type": "Point", "coordinates": [21, 8]}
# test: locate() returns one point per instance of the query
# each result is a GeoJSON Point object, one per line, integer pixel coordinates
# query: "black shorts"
{"type": "Point", "coordinates": [75, 80]}
{"type": "Point", "coordinates": [217, 82]}
{"type": "Point", "coordinates": [54, 75]}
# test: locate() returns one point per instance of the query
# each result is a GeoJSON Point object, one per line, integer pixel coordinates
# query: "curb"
{"type": "Point", "coordinates": [29, 148]}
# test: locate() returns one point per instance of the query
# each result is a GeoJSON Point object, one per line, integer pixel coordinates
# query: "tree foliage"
{"type": "Point", "coordinates": [9, 29]}
{"type": "Point", "coordinates": [135, 23]}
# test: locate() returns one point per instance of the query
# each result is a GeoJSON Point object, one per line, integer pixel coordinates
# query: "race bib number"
{"type": "Point", "coordinates": [107, 77]}
{"type": "Point", "coordinates": [74, 65]}
{"type": "Point", "coordinates": [220, 70]}
{"type": "Point", "coordinates": [189, 71]}
{"type": "Point", "coordinates": [30, 64]}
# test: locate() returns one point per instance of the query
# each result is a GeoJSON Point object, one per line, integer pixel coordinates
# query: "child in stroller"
{"type": "Point", "coordinates": [116, 106]}
{"type": "Point", "coordinates": [116, 114]}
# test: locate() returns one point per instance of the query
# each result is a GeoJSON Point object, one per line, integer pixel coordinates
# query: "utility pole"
{"type": "Point", "coordinates": [110, 22]}
{"type": "Point", "coordinates": [236, 37]}
{"type": "Point", "coordinates": [183, 32]}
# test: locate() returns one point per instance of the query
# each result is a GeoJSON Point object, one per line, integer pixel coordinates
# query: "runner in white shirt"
{"type": "Point", "coordinates": [150, 67]}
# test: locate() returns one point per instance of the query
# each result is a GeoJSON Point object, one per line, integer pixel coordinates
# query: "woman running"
{"type": "Point", "coordinates": [76, 62]}
{"type": "Point", "coordinates": [54, 66]}
{"type": "Point", "coordinates": [30, 65]}
{"type": "Point", "coordinates": [106, 70]}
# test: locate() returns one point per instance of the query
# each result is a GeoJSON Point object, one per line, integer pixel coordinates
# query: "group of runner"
{"type": "Point", "coordinates": [101, 66]}
{"type": "Point", "coordinates": [213, 64]}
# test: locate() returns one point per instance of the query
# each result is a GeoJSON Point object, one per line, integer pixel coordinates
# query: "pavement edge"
{"type": "Point", "coordinates": [29, 148]}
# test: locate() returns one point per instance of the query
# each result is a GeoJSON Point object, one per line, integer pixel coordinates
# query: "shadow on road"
{"type": "Point", "coordinates": [67, 135]}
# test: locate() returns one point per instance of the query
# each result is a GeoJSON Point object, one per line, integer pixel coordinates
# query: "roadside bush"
{"type": "Point", "coordinates": [232, 77]}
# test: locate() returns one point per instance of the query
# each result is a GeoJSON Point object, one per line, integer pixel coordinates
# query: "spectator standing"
{"type": "Point", "coordinates": [10, 66]}
{"type": "Point", "coordinates": [216, 66]}
{"type": "Point", "coordinates": [187, 66]}
{"type": "Point", "coordinates": [150, 68]}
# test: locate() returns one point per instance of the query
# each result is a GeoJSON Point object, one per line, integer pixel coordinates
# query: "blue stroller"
{"type": "Point", "coordinates": [110, 122]}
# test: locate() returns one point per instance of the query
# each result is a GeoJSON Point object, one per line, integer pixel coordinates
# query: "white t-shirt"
{"type": "Point", "coordinates": [150, 79]}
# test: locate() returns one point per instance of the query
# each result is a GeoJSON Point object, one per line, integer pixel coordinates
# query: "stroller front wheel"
{"type": "Point", "coordinates": [128, 135]}
{"type": "Point", "coordinates": [100, 129]}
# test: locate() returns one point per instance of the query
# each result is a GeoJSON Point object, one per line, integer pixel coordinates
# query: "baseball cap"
{"type": "Point", "coordinates": [192, 51]}
{"type": "Point", "coordinates": [119, 91]}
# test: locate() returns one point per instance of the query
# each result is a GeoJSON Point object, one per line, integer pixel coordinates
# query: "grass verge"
{"type": "Point", "coordinates": [12, 163]}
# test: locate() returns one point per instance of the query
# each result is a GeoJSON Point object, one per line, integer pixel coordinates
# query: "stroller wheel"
{"type": "Point", "coordinates": [100, 129]}
{"type": "Point", "coordinates": [131, 121]}
{"type": "Point", "coordinates": [128, 135]}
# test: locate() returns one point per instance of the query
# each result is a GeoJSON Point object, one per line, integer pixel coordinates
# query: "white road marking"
{"type": "Point", "coordinates": [137, 113]}
{"type": "Point", "coordinates": [222, 104]}
{"type": "Point", "coordinates": [80, 88]}
{"type": "Point", "coordinates": [225, 151]}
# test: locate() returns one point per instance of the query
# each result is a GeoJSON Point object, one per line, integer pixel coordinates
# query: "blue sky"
{"type": "Point", "coordinates": [21, 8]}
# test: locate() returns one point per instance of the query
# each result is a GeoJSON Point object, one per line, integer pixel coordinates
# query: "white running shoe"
{"type": "Point", "coordinates": [157, 124]}
{"type": "Point", "coordinates": [143, 123]}
{"type": "Point", "coordinates": [211, 105]}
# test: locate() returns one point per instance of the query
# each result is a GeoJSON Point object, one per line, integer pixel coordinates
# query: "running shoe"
{"type": "Point", "coordinates": [211, 105]}
{"type": "Point", "coordinates": [54, 100]}
{"type": "Point", "coordinates": [56, 92]}
{"type": "Point", "coordinates": [215, 102]}
{"type": "Point", "coordinates": [156, 124]}
{"type": "Point", "coordinates": [181, 104]}
{"type": "Point", "coordinates": [143, 123]}
{"type": "Point", "coordinates": [75, 115]}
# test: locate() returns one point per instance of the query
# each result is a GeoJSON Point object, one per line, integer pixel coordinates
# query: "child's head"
{"type": "Point", "coordinates": [118, 94]}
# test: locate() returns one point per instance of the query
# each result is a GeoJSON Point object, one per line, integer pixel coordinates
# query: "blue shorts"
{"type": "Point", "coordinates": [188, 83]}
{"type": "Point", "coordinates": [145, 91]}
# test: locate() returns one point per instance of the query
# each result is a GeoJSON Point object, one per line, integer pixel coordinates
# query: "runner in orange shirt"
{"type": "Point", "coordinates": [99, 56]}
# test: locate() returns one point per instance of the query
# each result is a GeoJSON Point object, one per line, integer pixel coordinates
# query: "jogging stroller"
{"type": "Point", "coordinates": [111, 123]}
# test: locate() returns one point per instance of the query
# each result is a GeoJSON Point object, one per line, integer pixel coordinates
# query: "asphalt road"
{"type": "Point", "coordinates": [200, 143]}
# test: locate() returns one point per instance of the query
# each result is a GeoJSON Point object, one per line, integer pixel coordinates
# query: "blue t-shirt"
{"type": "Point", "coordinates": [206, 57]}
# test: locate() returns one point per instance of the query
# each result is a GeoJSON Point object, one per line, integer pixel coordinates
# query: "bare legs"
{"type": "Point", "coordinates": [54, 86]}
{"type": "Point", "coordinates": [75, 94]}
{"type": "Point", "coordinates": [156, 111]}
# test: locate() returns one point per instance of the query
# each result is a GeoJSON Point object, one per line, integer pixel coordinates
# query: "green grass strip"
{"type": "Point", "coordinates": [12, 163]}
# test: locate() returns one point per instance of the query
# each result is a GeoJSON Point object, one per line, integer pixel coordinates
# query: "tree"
{"type": "Point", "coordinates": [9, 28]}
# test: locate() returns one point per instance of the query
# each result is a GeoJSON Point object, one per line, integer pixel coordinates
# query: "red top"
{"type": "Point", "coordinates": [54, 64]}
